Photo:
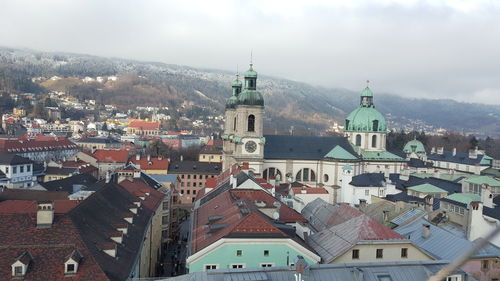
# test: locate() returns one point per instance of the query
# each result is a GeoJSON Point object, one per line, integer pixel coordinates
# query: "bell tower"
{"type": "Point", "coordinates": [243, 137]}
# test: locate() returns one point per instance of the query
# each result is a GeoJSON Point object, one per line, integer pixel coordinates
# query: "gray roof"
{"type": "Point", "coordinates": [303, 147]}
{"type": "Point", "coordinates": [194, 167]}
{"type": "Point", "coordinates": [13, 159]}
{"type": "Point", "coordinates": [397, 271]}
{"type": "Point", "coordinates": [99, 140]}
{"type": "Point", "coordinates": [442, 243]}
{"type": "Point", "coordinates": [165, 178]}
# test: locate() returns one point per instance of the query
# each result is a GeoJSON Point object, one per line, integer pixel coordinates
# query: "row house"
{"type": "Point", "coordinates": [16, 172]}
{"type": "Point", "coordinates": [40, 148]}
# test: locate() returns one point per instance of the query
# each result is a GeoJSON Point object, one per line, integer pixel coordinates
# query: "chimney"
{"type": "Point", "coordinates": [149, 157]}
{"type": "Point", "coordinates": [45, 214]}
{"type": "Point", "coordinates": [301, 266]}
{"type": "Point", "coordinates": [108, 176]}
{"type": "Point", "coordinates": [426, 230]}
{"type": "Point", "coordinates": [454, 151]}
{"type": "Point", "coordinates": [233, 181]}
{"type": "Point", "coordinates": [182, 158]}
{"type": "Point", "coordinates": [486, 196]}
{"type": "Point", "coordinates": [138, 157]}
{"type": "Point", "coordinates": [385, 215]}
{"type": "Point", "coordinates": [440, 150]}
{"type": "Point", "coordinates": [160, 157]}
{"type": "Point", "coordinates": [433, 150]}
{"type": "Point", "coordinates": [473, 153]}
{"type": "Point", "coordinates": [362, 203]}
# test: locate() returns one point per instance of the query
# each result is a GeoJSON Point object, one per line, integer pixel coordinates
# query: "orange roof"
{"type": "Point", "coordinates": [144, 125]}
{"type": "Point", "coordinates": [139, 188]}
{"type": "Point", "coordinates": [309, 190]}
{"type": "Point", "coordinates": [104, 155]}
{"type": "Point", "coordinates": [153, 164]}
{"type": "Point", "coordinates": [31, 206]}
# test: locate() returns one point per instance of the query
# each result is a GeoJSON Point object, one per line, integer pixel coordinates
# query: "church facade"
{"type": "Point", "coordinates": [316, 161]}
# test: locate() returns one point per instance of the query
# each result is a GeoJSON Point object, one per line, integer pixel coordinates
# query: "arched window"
{"type": "Point", "coordinates": [374, 141]}
{"type": "Point", "coordinates": [326, 178]}
{"type": "Point", "coordinates": [305, 174]}
{"type": "Point", "coordinates": [358, 140]}
{"type": "Point", "coordinates": [234, 124]}
{"type": "Point", "coordinates": [271, 173]}
{"type": "Point", "coordinates": [251, 123]}
{"type": "Point", "coordinates": [375, 125]}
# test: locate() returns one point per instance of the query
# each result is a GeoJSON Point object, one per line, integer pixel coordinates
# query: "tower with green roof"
{"type": "Point", "coordinates": [243, 128]}
{"type": "Point", "coordinates": [365, 126]}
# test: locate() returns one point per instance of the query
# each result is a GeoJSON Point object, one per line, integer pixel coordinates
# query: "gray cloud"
{"type": "Point", "coordinates": [434, 49]}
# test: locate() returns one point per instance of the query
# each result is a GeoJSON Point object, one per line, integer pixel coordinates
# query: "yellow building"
{"type": "Point", "coordinates": [210, 153]}
{"type": "Point", "coordinates": [18, 111]}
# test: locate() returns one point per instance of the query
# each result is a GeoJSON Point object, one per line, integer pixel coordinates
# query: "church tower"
{"type": "Point", "coordinates": [365, 126]}
{"type": "Point", "coordinates": [243, 138]}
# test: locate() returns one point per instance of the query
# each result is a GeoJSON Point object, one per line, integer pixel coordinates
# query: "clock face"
{"type": "Point", "coordinates": [250, 146]}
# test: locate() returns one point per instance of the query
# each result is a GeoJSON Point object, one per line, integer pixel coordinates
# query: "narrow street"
{"type": "Point", "coordinates": [175, 255]}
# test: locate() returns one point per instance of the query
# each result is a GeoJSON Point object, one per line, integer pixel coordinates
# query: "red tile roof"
{"type": "Point", "coordinates": [287, 214]}
{"type": "Point", "coordinates": [139, 188]}
{"type": "Point", "coordinates": [309, 190]}
{"type": "Point", "coordinates": [144, 125]}
{"type": "Point", "coordinates": [153, 164]}
{"type": "Point", "coordinates": [15, 146]}
{"type": "Point", "coordinates": [104, 155]}
{"type": "Point", "coordinates": [31, 206]}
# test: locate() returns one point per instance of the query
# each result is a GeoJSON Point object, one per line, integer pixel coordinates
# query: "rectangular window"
{"type": "Point", "coordinates": [28, 168]}
{"type": "Point", "coordinates": [18, 270]}
{"type": "Point", "coordinates": [6, 170]}
{"type": "Point", "coordinates": [165, 205]}
{"type": "Point", "coordinates": [454, 278]}
{"type": "Point", "coordinates": [194, 184]}
{"type": "Point", "coordinates": [266, 253]}
{"type": "Point", "coordinates": [188, 191]}
{"type": "Point", "coordinates": [462, 211]}
{"type": "Point", "coordinates": [237, 265]}
{"type": "Point", "coordinates": [210, 266]}
{"type": "Point", "coordinates": [404, 253]}
{"type": "Point", "coordinates": [484, 264]}
{"type": "Point", "coordinates": [380, 253]}
{"type": "Point", "coordinates": [14, 170]}
{"type": "Point", "coordinates": [182, 184]}
{"type": "Point", "coordinates": [266, 265]}
{"type": "Point", "coordinates": [355, 254]}
{"type": "Point", "coordinates": [189, 177]}
{"type": "Point", "coordinates": [164, 220]}
{"type": "Point", "coordinates": [70, 268]}
{"type": "Point", "coordinates": [239, 253]}
{"type": "Point", "coordinates": [21, 169]}
{"type": "Point", "coordinates": [194, 191]}
{"type": "Point", "coordinates": [367, 192]}
{"type": "Point", "coordinates": [194, 177]}
{"type": "Point", "coordinates": [182, 191]}
{"type": "Point", "coordinates": [182, 176]}
{"type": "Point", "coordinates": [188, 184]}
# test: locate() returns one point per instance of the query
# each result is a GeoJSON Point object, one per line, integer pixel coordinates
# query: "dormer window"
{"type": "Point", "coordinates": [20, 266]}
{"type": "Point", "coordinates": [72, 261]}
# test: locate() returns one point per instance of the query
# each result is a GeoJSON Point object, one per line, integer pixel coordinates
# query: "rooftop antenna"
{"type": "Point", "coordinates": [237, 72]}
{"type": "Point", "coordinates": [251, 58]}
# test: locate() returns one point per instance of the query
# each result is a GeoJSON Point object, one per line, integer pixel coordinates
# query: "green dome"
{"type": "Point", "coordinates": [231, 102]}
{"type": "Point", "coordinates": [250, 73]}
{"type": "Point", "coordinates": [237, 83]}
{"type": "Point", "coordinates": [367, 92]}
{"type": "Point", "coordinates": [414, 146]}
{"type": "Point", "coordinates": [250, 97]}
{"type": "Point", "coordinates": [365, 119]}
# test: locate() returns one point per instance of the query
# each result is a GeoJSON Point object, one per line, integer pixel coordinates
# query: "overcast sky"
{"type": "Point", "coordinates": [434, 49]}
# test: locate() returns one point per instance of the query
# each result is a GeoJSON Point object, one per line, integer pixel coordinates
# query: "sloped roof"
{"type": "Point", "coordinates": [369, 180]}
{"type": "Point", "coordinates": [66, 184]}
{"type": "Point", "coordinates": [322, 215]}
{"type": "Point", "coordinates": [13, 159]}
{"type": "Point", "coordinates": [491, 181]}
{"type": "Point", "coordinates": [427, 188]}
{"type": "Point", "coordinates": [194, 167]}
{"type": "Point", "coordinates": [29, 194]}
{"type": "Point", "coordinates": [459, 157]}
{"type": "Point", "coordinates": [396, 271]}
{"type": "Point", "coordinates": [286, 213]}
{"type": "Point", "coordinates": [463, 198]}
{"type": "Point", "coordinates": [144, 125]}
{"type": "Point", "coordinates": [111, 155]}
{"type": "Point", "coordinates": [309, 190]}
{"type": "Point", "coordinates": [34, 145]}
{"type": "Point", "coordinates": [235, 217]}
{"type": "Point", "coordinates": [154, 163]}
{"type": "Point", "coordinates": [340, 153]}
{"type": "Point", "coordinates": [442, 243]}
{"type": "Point", "coordinates": [303, 147]}
{"type": "Point", "coordinates": [334, 241]}
{"type": "Point", "coordinates": [31, 206]}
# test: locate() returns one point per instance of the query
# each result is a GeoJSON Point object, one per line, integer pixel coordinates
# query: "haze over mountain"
{"type": "Point", "coordinates": [288, 103]}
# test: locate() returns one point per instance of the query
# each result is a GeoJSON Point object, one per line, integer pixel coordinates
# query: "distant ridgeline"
{"type": "Point", "coordinates": [307, 108]}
